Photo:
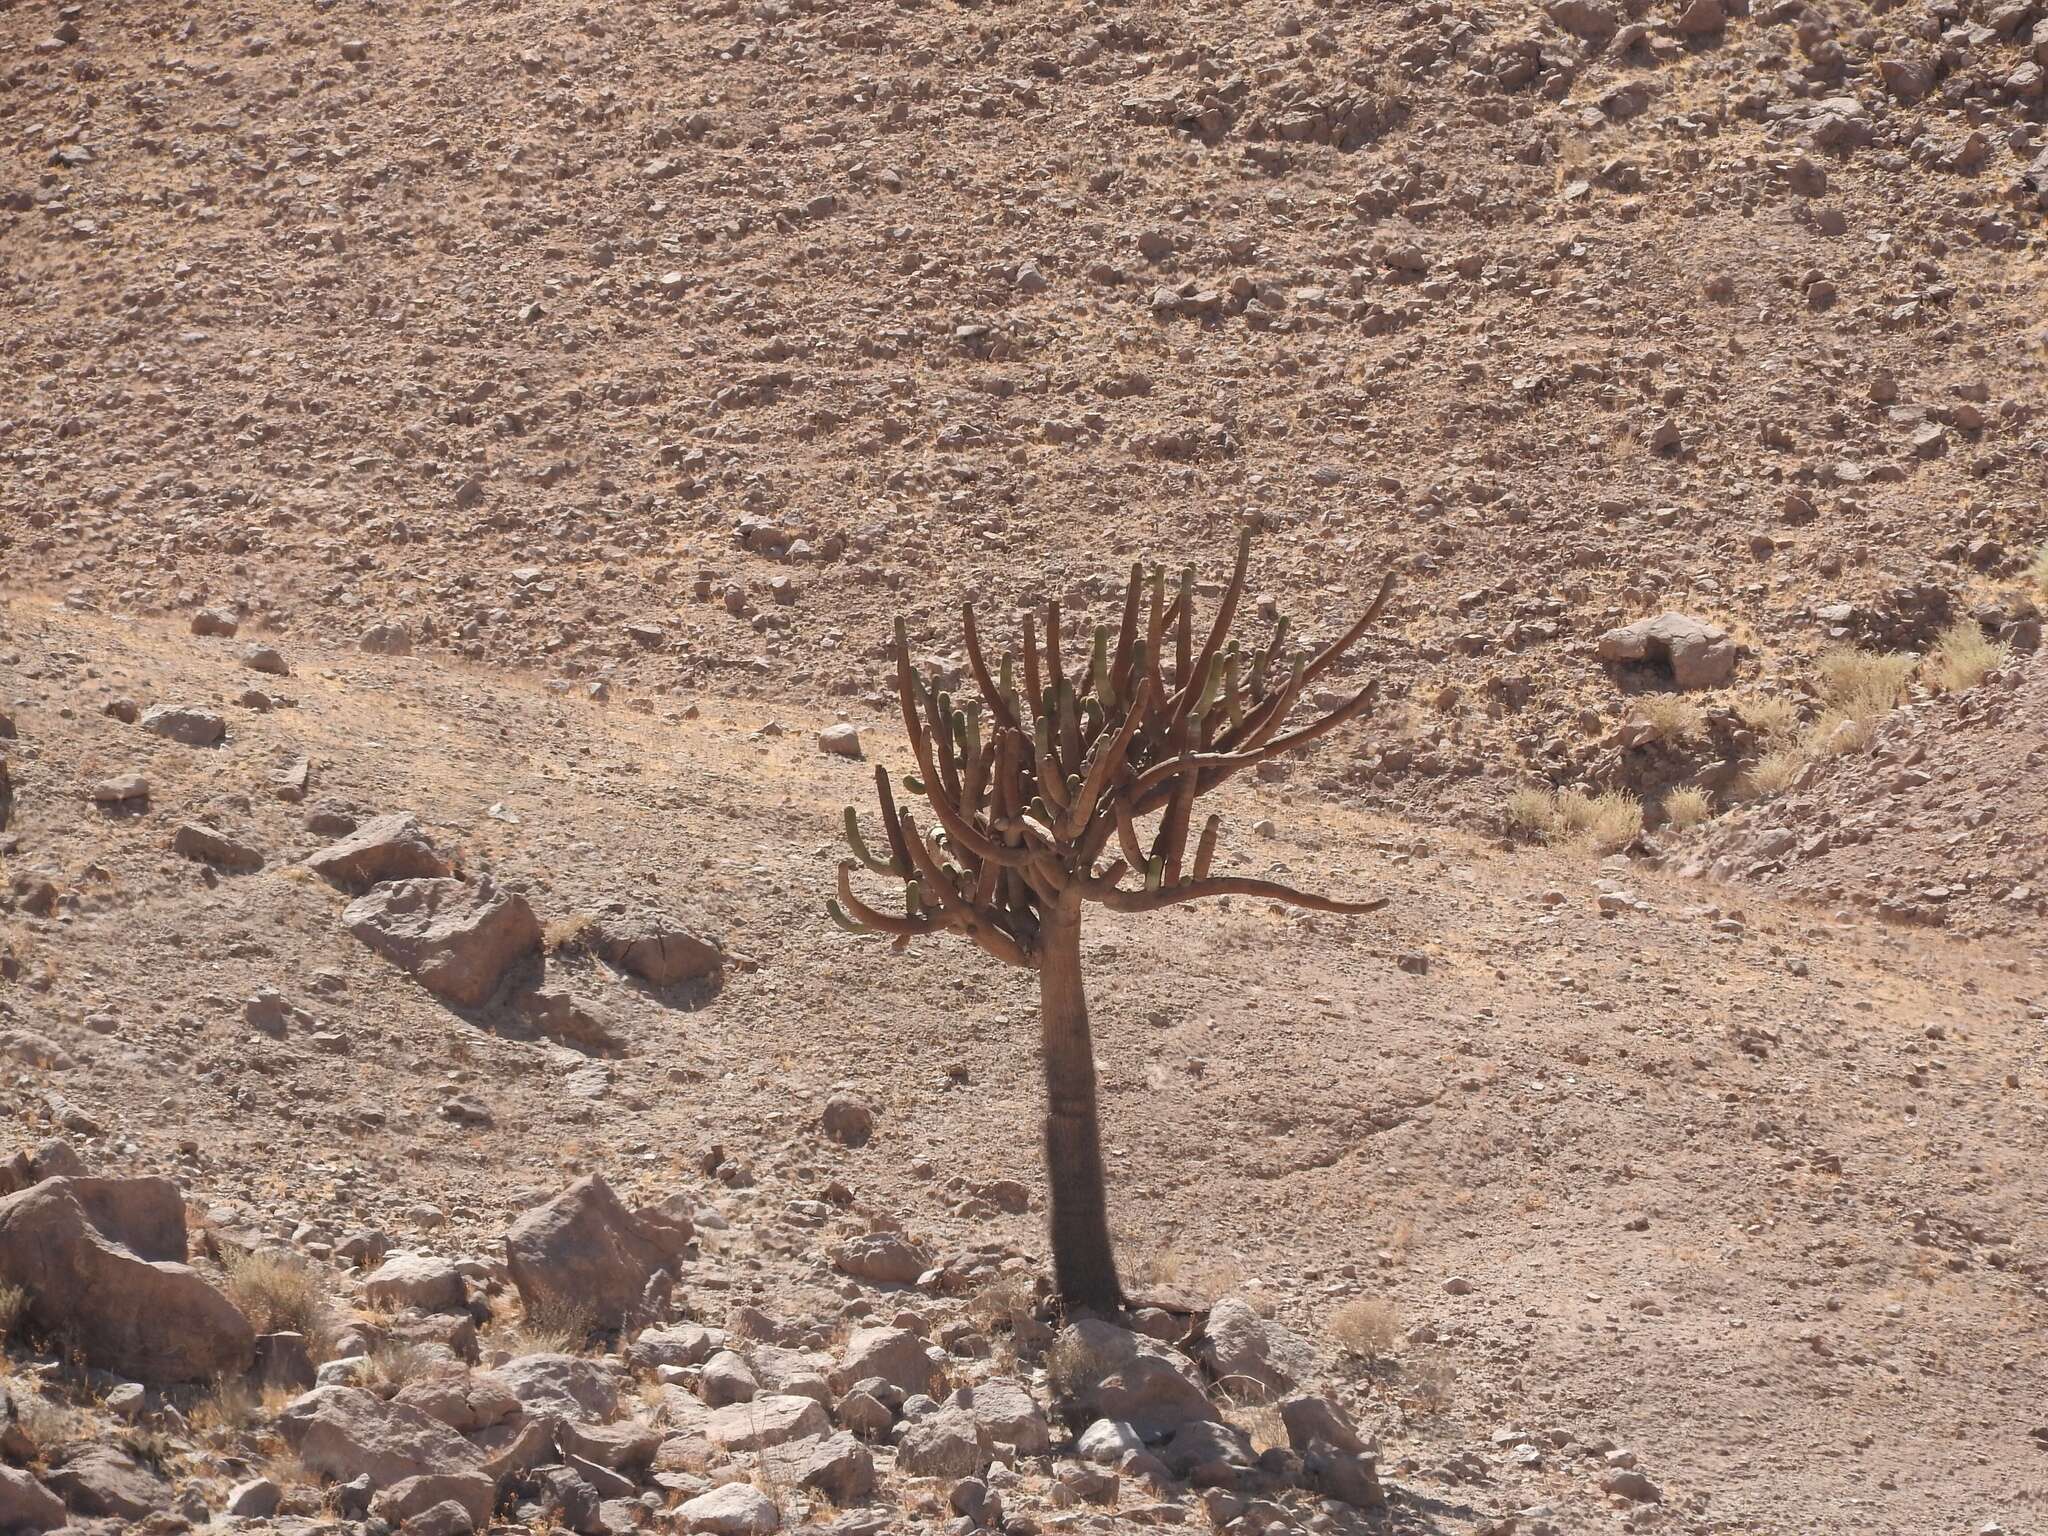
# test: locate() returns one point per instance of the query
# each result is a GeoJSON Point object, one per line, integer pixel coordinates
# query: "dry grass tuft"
{"type": "Point", "coordinates": [1775, 772]}
{"type": "Point", "coordinates": [1673, 717]}
{"type": "Point", "coordinates": [394, 1366]}
{"type": "Point", "coordinates": [1836, 733]}
{"type": "Point", "coordinates": [230, 1409]}
{"type": "Point", "coordinates": [1428, 1394]}
{"type": "Point", "coordinates": [1366, 1326]}
{"type": "Point", "coordinates": [1963, 656]}
{"type": "Point", "coordinates": [549, 1328]}
{"type": "Point", "coordinates": [1530, 813]}
{"type": "Point", "coordinates": [1262, 1423]}
{"type": "Point", "coordinates": [2037, 573]}
{"type": "Point", "coordinates": [13, 1311]}
{"type": "Point", "coordinates": [282, 1294]}
{"type": "Point", "coordinates": [1074, 1368]}
{"type": "Point", "coordinates": [1772, 717]}
{"type": "Point", "coordinates": [1688, 806]}
{"type": "Point", "coordinates": [1862, 685]}
{"type": "Point", "coordinates": [1606, 822]}
{"type": "Point", "coordinates": [566, 935]}
{"type": "Point", "coordinates": [1003, 1303]}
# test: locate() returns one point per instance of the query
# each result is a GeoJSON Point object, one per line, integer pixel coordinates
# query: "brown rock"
{"type": "Point", "coordinates": [383, 848]}
{"type": "Point", "coordinates": [583, 1253]}
{"type": "Point", "coordinates": [653, 947]}
{"type": "Point", "coordinates": [26, 1505]}
{"type": "Point", "coordinates": [459, 940]}
{"type": "Point", "coordinates": [102, 1262]}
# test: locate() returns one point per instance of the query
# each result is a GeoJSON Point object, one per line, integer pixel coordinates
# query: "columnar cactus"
{"type": "Point", "coordinates": [1050, 771]}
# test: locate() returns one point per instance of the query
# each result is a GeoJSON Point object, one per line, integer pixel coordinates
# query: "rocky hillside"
{"type": "Point", "coordinates": [463, 464]}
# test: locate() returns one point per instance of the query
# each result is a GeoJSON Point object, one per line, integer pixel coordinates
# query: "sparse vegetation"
{"type": "Point", "coordinates": [1429, 1389]}
{"type": "Point", "coordinates": [230, 1408]}
{"type": "Point", "coordinates": [1606, 822]}
{"type": "Point", "coordinates": [1073, 1368]}
{"type": "Point", "coordinates": [1963, 657]}
{"type": "Point", "coordinates": [393, 1365]}
{"type": "Point", "coordinates": [1262, 1423]}
{"type": "Point", "coordinates": [568, 935]}
{"type": "Point", "coordinates": [1531, 813]}
{"type": "Point", "coordinates": [1673, 717]}
{"type": "Point", "coordinates": [1775, 772]}
{"type": "Point", "coordinates": [13, 1312]}
{"type": "Point", "coordinates": [2037, 573]}
{"type": "Point", "coordinates": [550, 1328]}
{"type": "Point", "coordinates": [1771, 716]}
{"type": "Point", "coordinates": [1688, 806]}
{"type": "Point", "coordinates": [1366, 1326]}
{"type": "Point", "coordinates": [1862, 685]}
{"type": "Point", "coordinates": [280, 1293]}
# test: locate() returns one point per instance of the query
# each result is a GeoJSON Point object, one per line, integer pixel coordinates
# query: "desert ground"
{"type": "Point", "coordinates": [463, 465]}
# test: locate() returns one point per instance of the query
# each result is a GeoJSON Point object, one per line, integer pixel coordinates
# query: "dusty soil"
{"type": "Point", "coordinates": [568, 393]}
{"type": "Point", "coordinates": [1749, 1191]}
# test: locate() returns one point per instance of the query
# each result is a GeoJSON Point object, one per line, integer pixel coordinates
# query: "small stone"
{"type": "Point", "coordinates": [122, 789]}
{"type": "Point", "coordinates": [214, 621]}
{"type": "Point", "coordinates": [254, 1500]}
{"type": "Point", "coordinates": [186, 723]}
{"type": "Point", "coordinates": [1627, 1483]}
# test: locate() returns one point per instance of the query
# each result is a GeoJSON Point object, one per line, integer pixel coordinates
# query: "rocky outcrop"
{"type": "Point", "coordinates": [1112, 1373]}
{"type": "Point", "coordinates": [102, 1262]}
{"type": "Point", "coordinates": [1696, 655]}
{"type": "Point", "coordinates": [383, 848]}
{"type": "Point", "coordinates": [583, 1254]}
{"type": "Point", "coordinates": [657, 949]}
{"type": "Point", "coordinates": [459, 940]}
{"type": "Point", "coordinates": [411, 1458]}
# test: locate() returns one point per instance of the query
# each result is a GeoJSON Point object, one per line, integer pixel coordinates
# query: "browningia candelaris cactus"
{"type": "Point", "coordinates": [1037, 792]}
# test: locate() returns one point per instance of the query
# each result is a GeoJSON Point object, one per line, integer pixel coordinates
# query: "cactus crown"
{"type": "Point", "coordinates": [1032, 781]}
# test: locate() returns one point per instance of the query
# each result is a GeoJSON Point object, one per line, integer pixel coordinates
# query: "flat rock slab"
{"type": "Point", "coordinates": [382, 848]}
{"type": "Point", "coordinates": [458, 940]}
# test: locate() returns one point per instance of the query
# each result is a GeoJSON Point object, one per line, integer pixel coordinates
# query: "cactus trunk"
{"type": "Point", "coordinates": [1084, 1267]}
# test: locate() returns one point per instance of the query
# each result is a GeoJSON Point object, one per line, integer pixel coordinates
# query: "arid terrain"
{"type": "Point", "coordinates": [457, 462]}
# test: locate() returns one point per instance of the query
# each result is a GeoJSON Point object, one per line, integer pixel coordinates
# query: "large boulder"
{"type": "Point", "coordinates": [423, 1280]}
{"type": "Point", "coordinates": [53, 1158]}
{"type": "Point", "coordinates": [895, 1354]}
{"type": "Point", "coordinates": [461, 1398]}
{"type": "Point", "coordinates": [1008, 1414]}
{"type": "Point", "coordinates": [583, 1254]}
{"type": "Point", "coordinates": [567, 1386]}
{"type": "Point", "coordinates": [345, 1433]}
{"type": "Point", "coordinates": [102, 1263]}
{"type": "Point", "coordinates": [458, 939]}
{"type": "Point", "coordinates": [1112, 1373]}
{"type": "Point", "coordinates": [26, 1505]}
{"type": "Point", "coordinates": [736, 1509]}
{"type": "Point", "coordinates": [1254, 1358]}
{"type": "Point", "coordinates": [883, 1258]}
{"type": "Point", "coordinates": [656, 948]}
{"type": "Point", "coordinates": [186, 723]}
{"type": "Point", "coordinates": [1697, 655]}
{"type": "Point", "coordinates": [106, 1481]}
{"type": "Point", "coordinates": [946, 1443]}
{"type": "Point", "coordinates": [1310, 1418]}
{"type": "Point", "coordinates": [838, 1466]}
{"type": "Point", "coordinates": [382, 848]}
{"type": "Point", "coordinates": [767, 1420]}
